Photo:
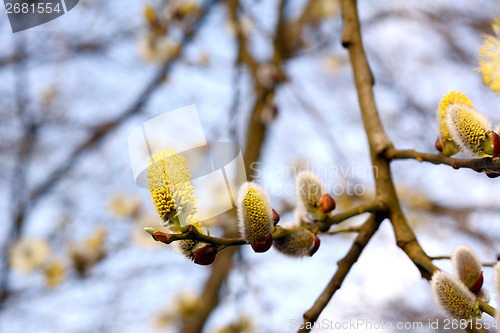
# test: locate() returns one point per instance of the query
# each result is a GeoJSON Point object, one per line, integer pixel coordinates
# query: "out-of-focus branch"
{"type": "Point", "coordinates": [96, 135]}
{"type": "Point", "coordinates": [255, 138]}
{"type": "Point", "coordinates": [476, 164]}
{"type": "Point", "coordinates": [366, 232]}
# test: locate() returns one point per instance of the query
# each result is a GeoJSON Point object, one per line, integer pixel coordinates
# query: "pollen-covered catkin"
{"type": "Point", "coordinates": [453, 98]}
{"type": "Point", "coordinates": [255, 216]}
{"type": "Point", "coordinates": [469, 130]}
{"type": "Point", "coordinates": [454, 297]}
{"type": "Point", "coordinates": [168, 181]}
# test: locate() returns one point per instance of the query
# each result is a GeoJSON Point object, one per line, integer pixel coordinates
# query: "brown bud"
{"type": "Point", "coordinates": [478, 284]}
{"type": "Point", "coordinates": [276, 217]}
{"type": "Point", "coordinates": [496, 143]}
{"type": "Point", "coordinates": [161, 237]}
{"type": "Point", "coordinates": [264, 245]}
{"type": "Point", "coordinates": [492, 174]}
{"type": "Point", "coordinates": [205, 255]}
{"type": "Point", "coordinates": [438, 145]}
{"type": "Point", "coordinates": [327, 203]}
{"type": "Point", "coordinates": [316, 246]}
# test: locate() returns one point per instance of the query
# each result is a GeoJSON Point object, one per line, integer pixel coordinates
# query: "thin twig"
{"type": "Point", "coordinates": [476, 164]}
{"type": "Point", "coordinates": [368, 229]}
{"type": "Point", "coordinates": [338, 231]}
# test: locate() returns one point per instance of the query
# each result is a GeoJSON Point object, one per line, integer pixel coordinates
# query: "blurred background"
{"type": "Point", "coordinates": [271, 76]}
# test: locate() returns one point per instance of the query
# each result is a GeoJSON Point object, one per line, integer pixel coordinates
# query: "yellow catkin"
{"type": "Point", "coordinates": [168, 181]}
{"type": "Point", "coordinates": [453, 296]}
{"type": "Point", "coordinates": [489, 58]}
{"type": "Point", "coordinates": [469, 130]}
{"type": "Point", "coordinates": [257, 217]}
{"type": "Point", "coordinates": [452, 98]}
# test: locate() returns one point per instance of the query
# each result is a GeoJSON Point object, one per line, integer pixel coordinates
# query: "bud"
{"type": "Point", "coordinates": [438, 145]}
{"type": "Point", "coordinates": [309, 190]}
{"type": "Point", "coordinates": [470, 130]}
{"type": "Point", "coordinates": [188, 247]}
{"type": "Point", "coordinates": [296, 242]}
{"type": "Point", "coordinates": [478, 284]}
{"type": "Point", "coordinates": [467, 267]}
{"type": "Point", "coordinates": [454, 297]}
{"type": "Point", "coordinates": [315, 248]}
{"type": "Point", "coordinates": [262, 246]}
{"type": "Point", "coordinates": [255, 216]}
{"type": "Point", "coordinates": [205, 255]}
{"type": "Point", "coordinates": [496, 143]}
{"type": "Point", "coordinates": [327, 203]}
{"type": "Point", "coordinates": [168, 181]}
{"type": "Point", "coordinates": [448, 147]}
{"type": "Point", "coordinates": [492, 174]}
{"type": "Point", "coordinates": [276, 217]}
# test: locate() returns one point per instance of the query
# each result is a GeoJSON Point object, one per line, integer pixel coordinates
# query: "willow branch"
{"type": "Point", "coordinates": [340, 217]}
{"type": "Point", "coordinates": [378, 140]}
{"type": "Point", "coordinates": [368, 229]}
{"type": "Point", "coordinates": [476, 164]}
{"type": "Point", "coordinates": [484, 264]}
{"type": "Point", "coordinates": [193, 234]}
{"type": "Point", "coordinates": [339, 231]}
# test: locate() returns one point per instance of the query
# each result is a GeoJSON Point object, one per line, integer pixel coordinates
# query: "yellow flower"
{"type": "Point", "coordinates": [54, 273]}
{"type": "Point", "coordinates": [255, 215]}
{"type": "Point", "coordinates": [489, 58]}
{"type": "Point", "coordinates": [168, 180]}
{"type": "Point", "coordinates": [469, 130]}
{"type": "Point", "coordinates": [184, 305]}
{"type": "Point", "coordinates": [27, 255]}
{"type": "Point", "coordinates": [452, 98]}
{"type": "Point", "coordinates": [454, 297]}
{"type": "Point", "coordinates": [85, 255]}
{"type": "Point", "coordinates": [124, 205]}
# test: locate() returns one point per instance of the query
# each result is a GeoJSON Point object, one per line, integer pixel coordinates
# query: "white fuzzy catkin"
{"type": "Point", "coordinates": [453, 296]}
{"type": "Point", "coordinates": [296, 242]}
{"type": "Point", "coordinates": [309, 189]}
{"type": "Point", "coordinates": [466, 264]}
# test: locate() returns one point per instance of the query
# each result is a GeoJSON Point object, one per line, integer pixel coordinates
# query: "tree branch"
{"type": "Point", "coordinates": [476, 164]}
{"type": "Point", "coordinates": [366, 232]}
